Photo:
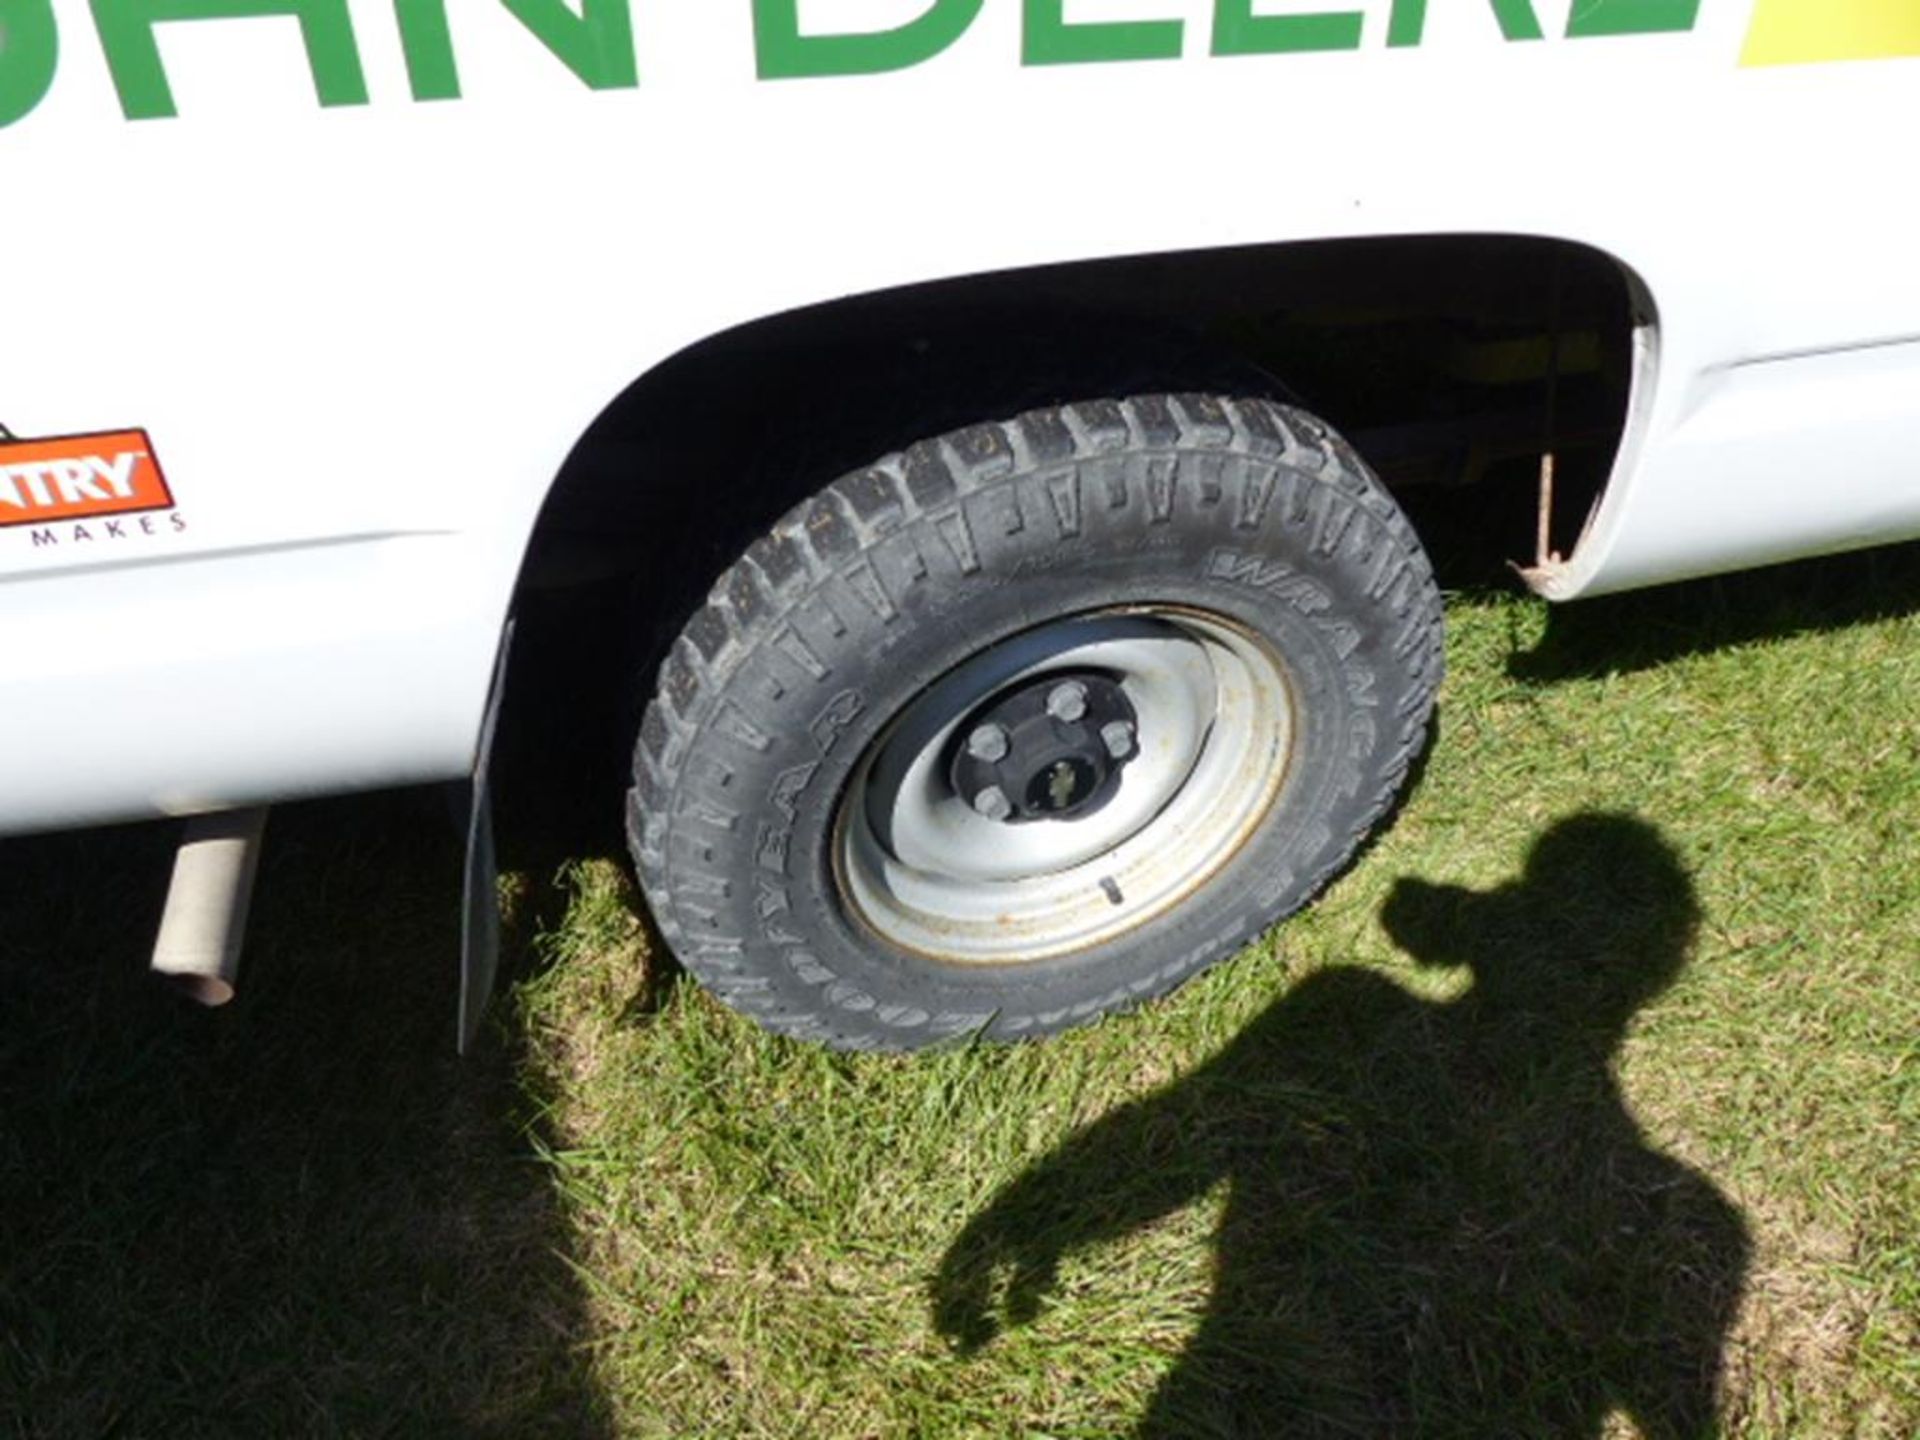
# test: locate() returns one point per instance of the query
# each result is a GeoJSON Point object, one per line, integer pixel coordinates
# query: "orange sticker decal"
{"type": "Point", "coordinates": [77, 477]}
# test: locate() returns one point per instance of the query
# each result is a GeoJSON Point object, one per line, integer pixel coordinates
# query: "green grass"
{"type": "Point", "coordinates": [1598, 1073]}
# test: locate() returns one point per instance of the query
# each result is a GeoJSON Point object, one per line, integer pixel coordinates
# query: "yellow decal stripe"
{"type": "Point", "coordinates": [1811, 32]}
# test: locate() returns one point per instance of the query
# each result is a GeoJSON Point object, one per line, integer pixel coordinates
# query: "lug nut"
{"type": "Point", "coordinates": [988, 743]}
{"type": "Point", "coordinates": [1067, 702]}
{"type": "Point", "coordinates": [1117, 736]}
{"type": "Point", "coordinates": [992, 802]}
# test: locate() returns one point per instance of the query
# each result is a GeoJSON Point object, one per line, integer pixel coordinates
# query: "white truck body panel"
{"type": "Point", "coordinates": [364, 336]}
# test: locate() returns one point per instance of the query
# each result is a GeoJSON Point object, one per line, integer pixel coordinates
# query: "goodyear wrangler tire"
{"type": "Point", "coordinates": [1033, 721]}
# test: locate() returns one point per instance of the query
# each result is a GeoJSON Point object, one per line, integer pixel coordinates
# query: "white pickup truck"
{"type": "Point", "coordinates": [964, 382]}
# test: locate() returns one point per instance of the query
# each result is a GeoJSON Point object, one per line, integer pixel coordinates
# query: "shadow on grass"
{"type": "Point", "coordinates": [299, 1216]}
{"type": "Point", "coordinates": [1618, 634]}
{"type": "Point", "coordinates": [1441, 1217]}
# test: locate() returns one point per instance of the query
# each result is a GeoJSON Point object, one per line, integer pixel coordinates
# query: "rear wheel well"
{"type": "Point", "coordinates": [1440, 357]}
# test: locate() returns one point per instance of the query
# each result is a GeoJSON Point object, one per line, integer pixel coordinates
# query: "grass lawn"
{"type": "Point", "coordinates": [1594, 1084]}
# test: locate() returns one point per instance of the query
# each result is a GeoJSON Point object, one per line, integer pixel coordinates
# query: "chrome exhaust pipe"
{"type": "Point", "coordinates": [204, 925]}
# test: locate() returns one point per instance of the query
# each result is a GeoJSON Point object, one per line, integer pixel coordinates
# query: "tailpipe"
{"type": "Point", "coordinates": [205, 923]}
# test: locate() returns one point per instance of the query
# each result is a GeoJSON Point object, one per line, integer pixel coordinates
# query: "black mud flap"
{"type": "Point", "coordinates": [480, 898]}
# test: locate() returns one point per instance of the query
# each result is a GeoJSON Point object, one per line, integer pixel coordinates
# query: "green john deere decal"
{"type": "Point", "coordinates": [1238, 31]}
{"type": "Point", "coordinates": [596, 43]}
{"type": "Point", "coordinates": [29, 55]}
{"type": "Point", "coordinates": [1052, 40]}
{"type": "Point", "coordinates": [1809, 32]}
{"type": "Point", "coordinates": [1630, 17]}
{"type": "Point", "coordinates": [594, 38]}
{"type": "Point", "coordinates": [785, 53]}
{"type": "Point", "coordinates": [133, 53]}
{"type": "Point", "coordinates": [427, 44]}
{"type": "Point", "coordinates": [1407, 24]}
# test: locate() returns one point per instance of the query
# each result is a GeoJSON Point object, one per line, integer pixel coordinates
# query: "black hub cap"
{"type": "Point", "coordinates": [1053, 749]}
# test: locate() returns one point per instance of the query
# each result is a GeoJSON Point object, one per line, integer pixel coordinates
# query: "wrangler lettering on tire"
{"type": "Point", "coordinates": [1034, 720]}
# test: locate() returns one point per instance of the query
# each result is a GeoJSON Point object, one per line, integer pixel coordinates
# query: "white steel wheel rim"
{"type": "Point", "coordinates": [927, 874]}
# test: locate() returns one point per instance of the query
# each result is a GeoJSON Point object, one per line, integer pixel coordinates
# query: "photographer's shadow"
{"type": "Point", "coordinates": [1441, 1218]}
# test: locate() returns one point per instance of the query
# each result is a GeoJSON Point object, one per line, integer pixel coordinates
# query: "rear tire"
{"type": "Point", "coordinates": [1225, 575]}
